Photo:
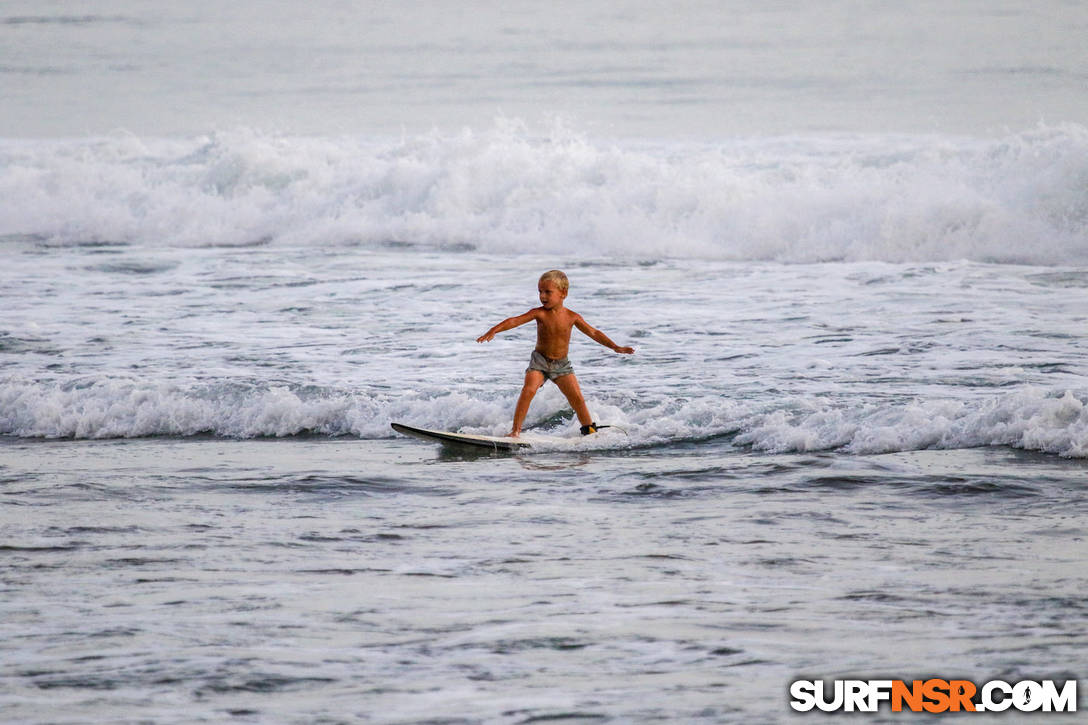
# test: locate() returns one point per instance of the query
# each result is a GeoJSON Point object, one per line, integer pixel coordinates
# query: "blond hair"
{"type": "Point", "coordinates": [560, 279]}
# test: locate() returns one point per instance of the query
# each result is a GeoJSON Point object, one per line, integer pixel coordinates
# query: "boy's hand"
{"type": "Point", "coordinates": [486, 337]}
{"type": "Point", "coordinates": [625, 350]}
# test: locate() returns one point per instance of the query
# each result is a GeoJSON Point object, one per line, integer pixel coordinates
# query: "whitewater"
{"type": "Point", "coordinates": [848, 242]}
{"type": "Point", "coordinates": [1018, 198]}
{"type": "Point", "coordinates": [856, 355]}
{"type": "Point", "coordinates": [946, 271]}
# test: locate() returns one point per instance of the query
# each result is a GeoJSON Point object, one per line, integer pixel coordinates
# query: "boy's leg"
{"type": "Point", "coordinates": [569, 385]}
{"type": "Point", "coordinates": [533, 380]}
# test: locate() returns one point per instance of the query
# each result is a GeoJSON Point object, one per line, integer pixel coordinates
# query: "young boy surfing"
{"type": "Point", "coordinates": [549, 360]}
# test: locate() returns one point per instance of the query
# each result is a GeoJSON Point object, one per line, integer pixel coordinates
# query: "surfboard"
{"type": "Point", "coordinates": [495, 443]}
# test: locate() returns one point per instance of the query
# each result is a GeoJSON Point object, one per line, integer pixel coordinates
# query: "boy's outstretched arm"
{"type": "Point", "coordinates": [508, 324]}
{"type": "Point", "coordinates": [595, 334]}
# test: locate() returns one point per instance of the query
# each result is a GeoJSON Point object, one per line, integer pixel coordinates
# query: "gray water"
{"type": "Point", "coordinates": [622, 67]}
{"type": "Point", "coordinates": [339, 581]}
{"type": "Point", "coordinates": [836, 474]}
{"type": "Point", "coordinates": [848, 242]}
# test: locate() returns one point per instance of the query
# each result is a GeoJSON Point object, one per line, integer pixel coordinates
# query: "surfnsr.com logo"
{"type": "Point", "coordinates": [933, 695]}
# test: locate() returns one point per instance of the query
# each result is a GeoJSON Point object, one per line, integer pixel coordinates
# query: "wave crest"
{"type": "Point", "coordinates": [1031, 419]}
{"type": "Point", "coordinates": [1019, 199]}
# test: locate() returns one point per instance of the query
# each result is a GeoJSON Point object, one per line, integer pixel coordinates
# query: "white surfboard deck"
{"type": "Point", "coordinates": [495, 443]}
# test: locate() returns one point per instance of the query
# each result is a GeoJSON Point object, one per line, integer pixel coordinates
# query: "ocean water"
{"type": "Point", "coordinates": [849, 243]}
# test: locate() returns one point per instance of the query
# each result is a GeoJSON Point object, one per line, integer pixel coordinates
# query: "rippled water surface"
{"type": "Point", "coordinates": [818, 471]}
{"type": "Point", "coordinates": [238, 240]}
{"type": "Point", "coordinates": [183, 580]}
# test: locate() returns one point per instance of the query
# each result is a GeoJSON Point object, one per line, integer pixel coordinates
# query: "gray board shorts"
{"type": "Point", "coordinates": [552, 369]}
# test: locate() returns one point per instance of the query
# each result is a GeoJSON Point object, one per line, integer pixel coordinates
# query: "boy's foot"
{"type": "Point", "coordinates": [588, 429]}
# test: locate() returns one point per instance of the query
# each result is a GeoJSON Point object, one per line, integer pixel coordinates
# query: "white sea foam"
{"type": "Point", "coordinates": [243, 285]}
{"type": "Point", "coordinates": [1053, 422]}
{"type": "Point", "coordinates": [130, 408]}
{"type": "Point", "coordinates": [1031, 419]}
{"type": "Point", "coordinates": [1022, 198]}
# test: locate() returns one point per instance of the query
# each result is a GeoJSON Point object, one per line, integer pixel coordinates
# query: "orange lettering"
{"type": "Point", "coordinates": [961, 692]}
{"type": "Point", "coordinates": [911, 695]}
{"type": "Point", "coordinates": [936, 691]}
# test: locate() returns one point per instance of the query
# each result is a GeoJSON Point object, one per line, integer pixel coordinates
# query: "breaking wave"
{"type": "Point", "coordinates": [1022, 198]}
{"type": "Point", "coordinates": [1030, 419]}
